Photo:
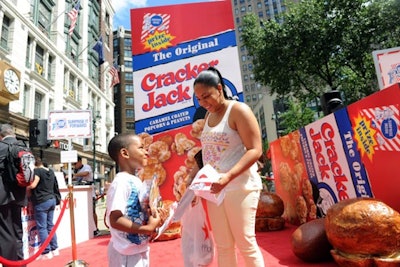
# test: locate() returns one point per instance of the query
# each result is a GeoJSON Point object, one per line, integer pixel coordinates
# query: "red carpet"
{"type": "Point", "coordinates": [275, 246]}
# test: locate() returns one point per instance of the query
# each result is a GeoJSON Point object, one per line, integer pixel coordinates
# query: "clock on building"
{"type": "Point", "coordinates": [9, 83]}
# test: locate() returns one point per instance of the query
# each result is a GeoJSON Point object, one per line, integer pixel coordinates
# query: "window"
{"type": "Point", "coordinates": [129, 100]}
{"type": "Point", "coordinates": [129, 113]}
{"type": "Point", "coordinates": [128, 43]}
{"type": "Point", "coordinates": [28, 60]}
{"type": "Point", "coordinates": [94, 70]}
{"type": "Point", "coordinates": [41, 14]}
{"type": "Point", "coordinates": [129, 88]}
{"type": "Point", "coordinates": [5, 32]}
{"type": "Point", "coordinates": [50, 67]}
{"type": "Point", "coordinates": [26, 101]}
{"type": "Point", "coordinates": [130, 126]}
{"type": "Point", "coordinates": [108, 20]}
{"type": "Point", "coordinates": [37, 111]}
{"type": "Point", "coordinates": [39, 56]}
{"type": "Point", "coordinates": [128, 76]}
{"type": "Point", "coordinates": [71, 87]}
{"type": "Point", "coordinates": [94, 14]}
{"type": "Point", "coordinates": [44, 16]}
{"type": "Point", "coordinates": [127, 53]}
{"type": "Point", "coordinates": [128, 64]}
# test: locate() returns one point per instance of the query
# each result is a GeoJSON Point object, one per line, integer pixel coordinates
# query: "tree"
{"type": "Point", "coordinates": [296, 116]}
{"type": "Point", "coordinates": [321, 46]}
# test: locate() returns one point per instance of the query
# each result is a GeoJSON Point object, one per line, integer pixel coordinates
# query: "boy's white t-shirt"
{"type": "Point", "coordinates": [126, 193]}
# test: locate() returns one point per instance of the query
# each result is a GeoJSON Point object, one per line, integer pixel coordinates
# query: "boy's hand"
{"type": "Point", "coordinates": [163, 213]}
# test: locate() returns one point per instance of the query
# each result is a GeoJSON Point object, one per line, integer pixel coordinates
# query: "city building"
{"type": "Point", "coordinates": [256, 95]}
{"type": "Point", "coordinates": [50, 47]}
{"type": "Point", "coordinates": [123, 92]}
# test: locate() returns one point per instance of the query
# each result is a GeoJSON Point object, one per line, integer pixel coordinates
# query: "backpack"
{"type": "Point", "coordinates": [19, 164]}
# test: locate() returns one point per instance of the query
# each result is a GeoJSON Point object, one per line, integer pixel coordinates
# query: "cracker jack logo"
{"type": "Point", "coordinates": [155, 31]}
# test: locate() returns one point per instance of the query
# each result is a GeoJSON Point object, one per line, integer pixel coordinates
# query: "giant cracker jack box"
{"type": "Point", "coordinates": [351, 153]}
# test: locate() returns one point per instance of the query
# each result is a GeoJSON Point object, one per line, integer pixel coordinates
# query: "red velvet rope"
{"type": "Point", "coordinates": [43, 246]}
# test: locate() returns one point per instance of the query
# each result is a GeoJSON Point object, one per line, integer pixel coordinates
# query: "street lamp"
{"type": "Point", "coordinates": [96, 118]}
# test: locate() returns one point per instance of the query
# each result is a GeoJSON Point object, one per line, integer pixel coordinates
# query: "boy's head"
{"type": "Point", "coordinates": [127, 147]}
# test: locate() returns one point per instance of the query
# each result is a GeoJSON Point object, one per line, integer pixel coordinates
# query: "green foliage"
{"type": "Point", "coordinates": [322, 45]}
{"type": "Point", "coordinates": [296, 117]}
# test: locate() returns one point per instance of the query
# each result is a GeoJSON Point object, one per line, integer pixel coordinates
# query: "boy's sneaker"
{"type": "Point", "coordinates": [56, 252]}
{"type": "Point", "coordinates": [46, 256]}
{"type": "Point", "coordinates": [96, 232]}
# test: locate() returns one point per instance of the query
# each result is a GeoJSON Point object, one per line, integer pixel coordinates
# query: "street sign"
{"type": "Point", "coordinates": [70, 156]}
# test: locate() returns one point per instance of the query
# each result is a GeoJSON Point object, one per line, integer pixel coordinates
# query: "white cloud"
{"type": "Point", "coordinates": [119, 5]}
{"type": "Point", "coordinates": [122, 9]}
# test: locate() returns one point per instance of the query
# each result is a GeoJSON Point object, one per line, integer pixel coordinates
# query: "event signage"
{"type": "Point", "coordinates": [387, 66]}
{"type": "Point", "coordinates": [353, 152]}
{"type": "Point", "coordinates": [171, 45]}
{"type": "Point", "coordinates": [67, 124]}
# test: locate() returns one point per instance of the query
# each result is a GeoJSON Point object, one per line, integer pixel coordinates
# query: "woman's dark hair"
{"type": "Point", "coordinates": [211, 77]}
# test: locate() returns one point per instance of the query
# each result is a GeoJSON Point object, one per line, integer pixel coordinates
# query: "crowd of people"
{"type": "Point", "coordinates": [43, 193]}
{"type": "Point", "coordinates": [230, 143]}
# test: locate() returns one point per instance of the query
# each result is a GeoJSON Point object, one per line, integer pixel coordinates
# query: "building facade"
{"type": "Point", "coordinates": [256, 95]}
{"type": "Point", "coordinates": [59, 70]}
{"type": "Point", "coordinates": [123, 92]}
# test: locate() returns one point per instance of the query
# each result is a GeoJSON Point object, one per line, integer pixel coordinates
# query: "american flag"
{"type": "Point", "coordinates": [73, 16]}
{"type": "Point", "coordinates": [114, 74]}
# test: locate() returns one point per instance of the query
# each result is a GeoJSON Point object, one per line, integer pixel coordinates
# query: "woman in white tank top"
{"type": "Point", "coordinates": [231, 143]}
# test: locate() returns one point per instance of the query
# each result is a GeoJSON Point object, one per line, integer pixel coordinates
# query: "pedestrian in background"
{"type": "Point", "coordinates": [83, 174]}
{"type": "Point", "coordinates": [44, 193]}
{"type": "Point", "coordinates": [12, 199]}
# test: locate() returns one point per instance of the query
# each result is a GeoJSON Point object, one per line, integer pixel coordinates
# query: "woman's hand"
{"type": "Point", "coordinates": [217, 186]}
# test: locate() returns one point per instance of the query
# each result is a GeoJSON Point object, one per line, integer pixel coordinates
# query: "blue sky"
{"type": "Point", "coordinates": [122, 8]}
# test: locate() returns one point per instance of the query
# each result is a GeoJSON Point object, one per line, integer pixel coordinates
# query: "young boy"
{"type": "Point", "coordinates": [131, 223]}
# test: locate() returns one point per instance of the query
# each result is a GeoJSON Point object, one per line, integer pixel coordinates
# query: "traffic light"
{"type": "Point", "coordinates": [38, 133]}
{"type": "Point", "coordinates": [331, 101]}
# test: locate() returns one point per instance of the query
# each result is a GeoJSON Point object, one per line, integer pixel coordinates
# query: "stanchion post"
{"type": "Point", "coordinates": [75, 262]}
{"type": "Point", "coordinates": [72, 218]}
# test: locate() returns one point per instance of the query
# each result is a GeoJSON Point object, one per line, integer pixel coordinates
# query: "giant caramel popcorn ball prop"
{"type": "Point", "coordinates": [309, 242]}
{"type": "Point", "coordinates": [364, 232]}
{"type": "Point", "coordinates": [269, 213]}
